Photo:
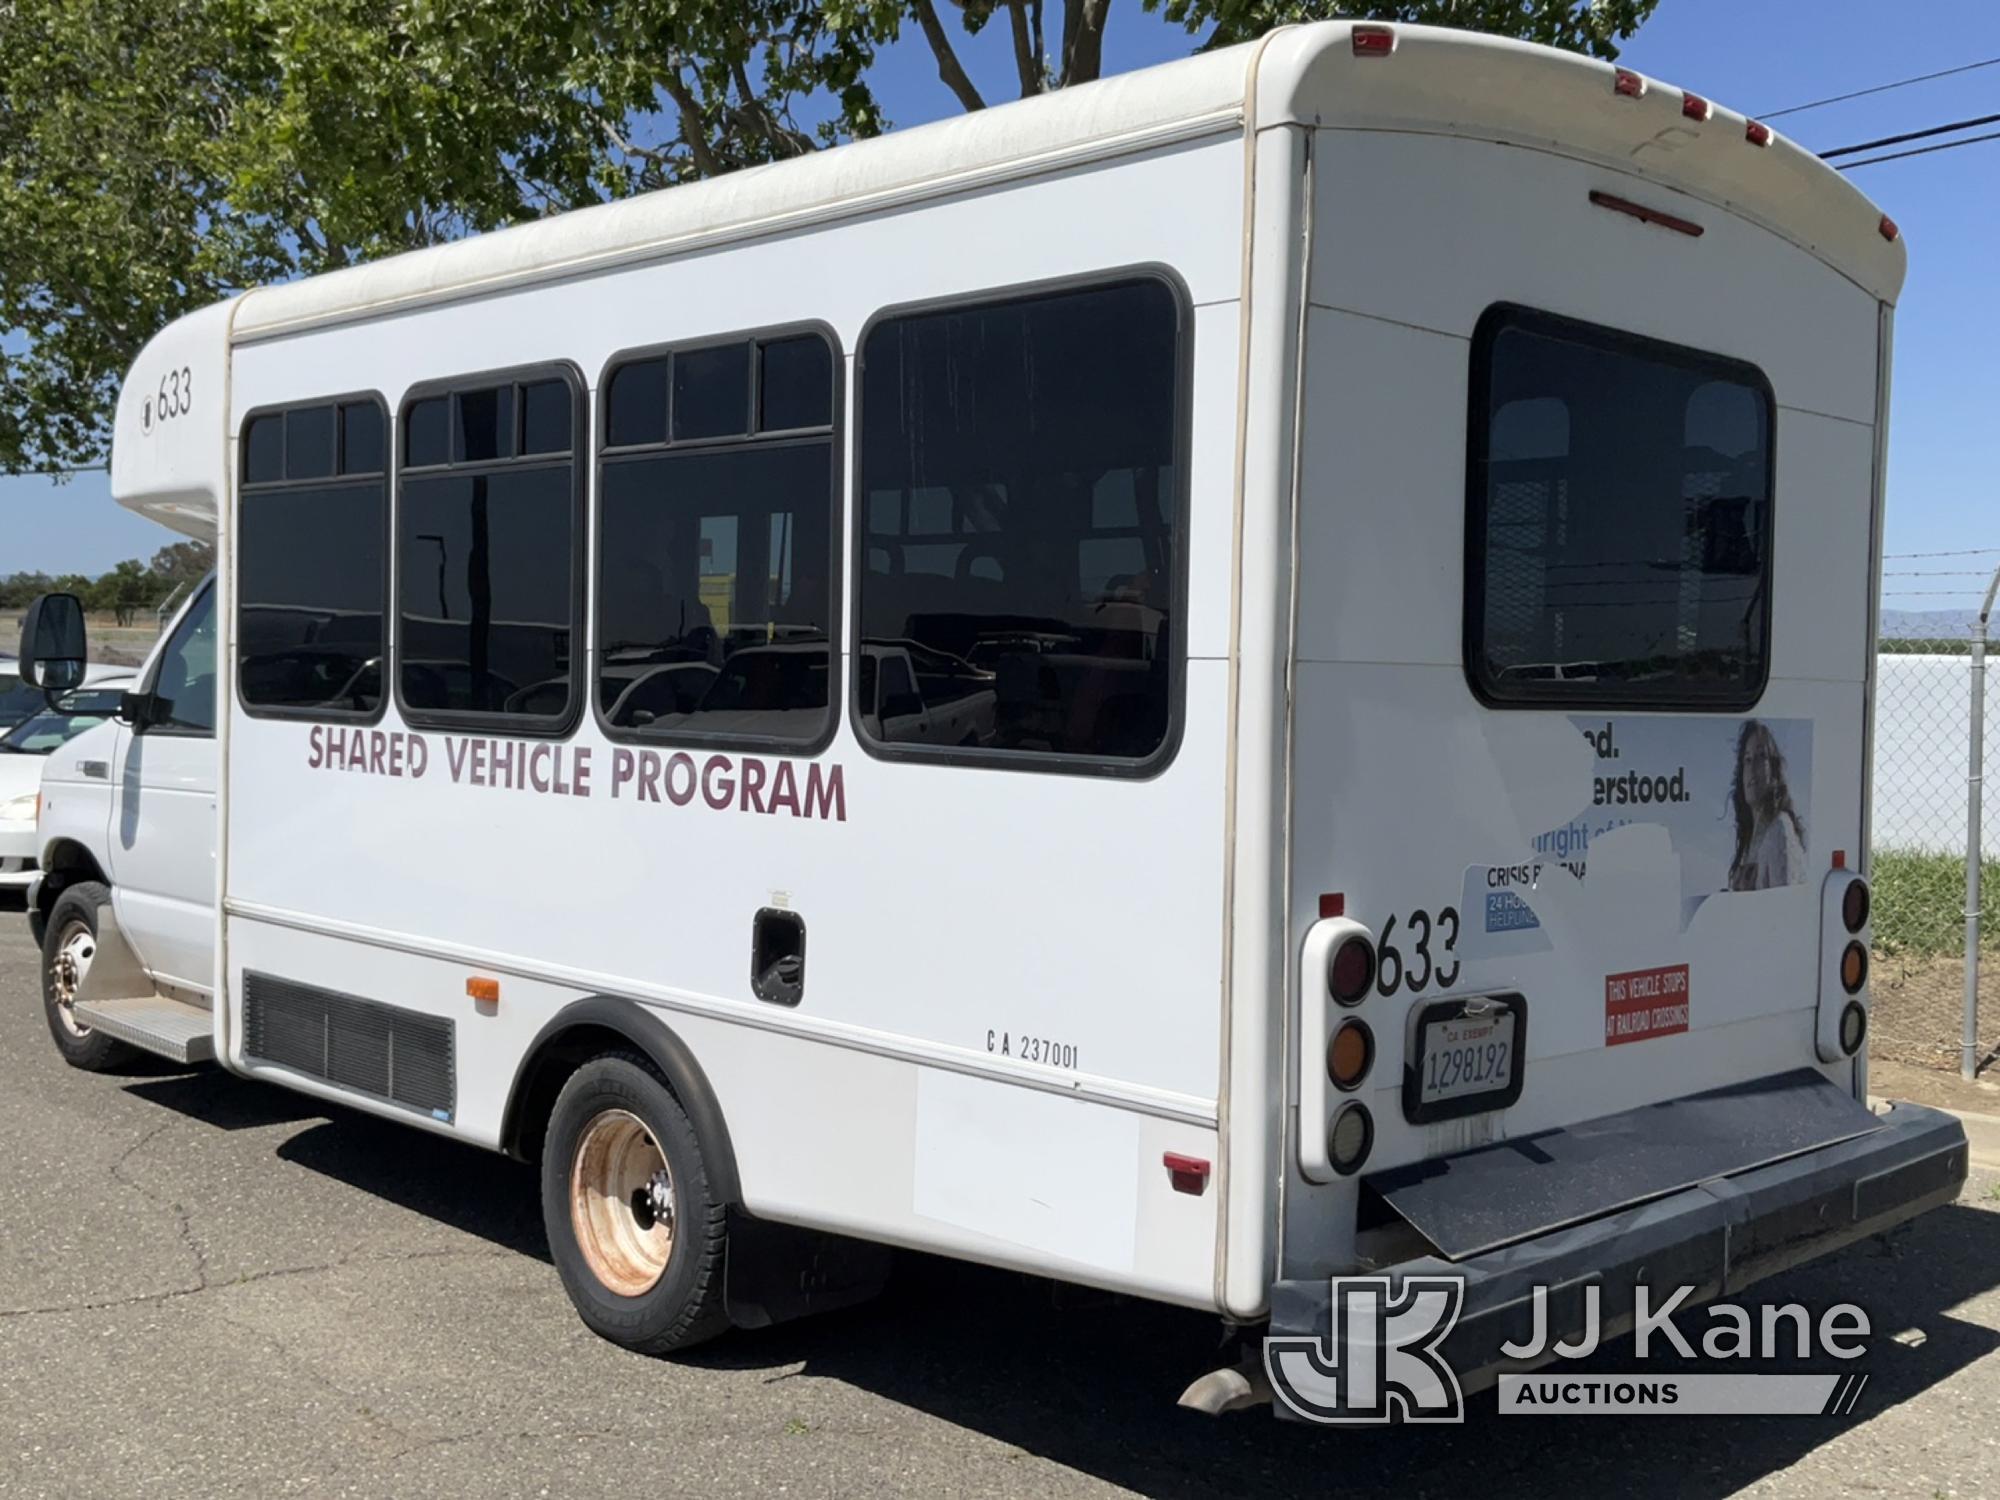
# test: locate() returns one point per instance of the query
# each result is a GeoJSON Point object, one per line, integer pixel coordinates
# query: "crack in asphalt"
{"type": "Point", "coordinates": [251, 1278]}
{"type": "Point", "coordinates": [185, 1234]}
{"type": "Point", "coordinates": [183, 1224]}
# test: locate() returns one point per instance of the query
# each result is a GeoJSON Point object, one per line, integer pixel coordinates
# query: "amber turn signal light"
{"type": "Point", "coordinates": [1350, 1054]}
{"type": "Point", "coordinates": [1853, 967]}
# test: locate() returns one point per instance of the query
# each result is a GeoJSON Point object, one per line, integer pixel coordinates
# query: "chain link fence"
{"type": "Point", "coordinates": [1923, 721]}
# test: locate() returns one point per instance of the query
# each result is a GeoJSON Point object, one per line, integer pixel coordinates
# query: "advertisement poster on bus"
{"type": "Point", "coordinates": [1732, 794]}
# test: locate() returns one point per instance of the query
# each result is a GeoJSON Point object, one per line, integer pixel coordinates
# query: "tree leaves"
{"type": "Point", "coordinates": [156, 155]}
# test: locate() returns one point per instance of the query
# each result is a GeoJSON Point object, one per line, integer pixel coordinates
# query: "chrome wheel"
{"type": "Point", "coordinates": [621, 1203]}
{"type": "Point", "coordinates": [76, 946]}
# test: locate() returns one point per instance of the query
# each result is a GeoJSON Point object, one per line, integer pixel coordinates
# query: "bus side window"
{"type": "Point", "coordinates": [1023, 531]}
{"type": "Point", "coordinates": [488, 529]}
{"type": "Point", "coordinates": [717, 499]}
{"type": "Point", "coordinates": [312, 561]}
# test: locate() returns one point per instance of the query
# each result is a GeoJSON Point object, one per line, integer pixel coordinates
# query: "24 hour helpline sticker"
{"type": "Point", "coordinates": [1645, 1003]}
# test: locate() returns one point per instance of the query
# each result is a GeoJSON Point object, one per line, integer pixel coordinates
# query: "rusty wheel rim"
{"type": "Point", "coordinates": [621, 1203]}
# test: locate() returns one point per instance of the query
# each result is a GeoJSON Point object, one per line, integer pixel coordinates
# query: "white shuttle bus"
{"type": "Point", "coordinates": [1255, 671]}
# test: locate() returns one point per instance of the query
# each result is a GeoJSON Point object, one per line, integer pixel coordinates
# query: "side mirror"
{"type": "Point", "coordinates": [140, 710]}
{"type": "Point", "coordinates": [53, 647]}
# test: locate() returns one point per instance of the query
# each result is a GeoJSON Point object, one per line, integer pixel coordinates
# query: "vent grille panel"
{"type": "Point", "coordinates": [381, 1050]}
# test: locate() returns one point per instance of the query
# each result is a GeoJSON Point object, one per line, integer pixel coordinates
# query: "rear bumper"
{"type": "Point", "coordinates": [1718, 1237]}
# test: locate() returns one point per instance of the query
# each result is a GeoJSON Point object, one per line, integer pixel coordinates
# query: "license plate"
{"type": "Point", "coordinates": [1466, 1059]}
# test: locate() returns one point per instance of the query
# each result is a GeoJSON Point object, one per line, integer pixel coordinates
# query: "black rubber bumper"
{"type": "Point", "coordinates": [1718, 1237]}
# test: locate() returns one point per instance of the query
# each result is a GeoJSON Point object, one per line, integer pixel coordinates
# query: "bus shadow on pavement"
{"type": "Point", "coordinates": [1090, 1382]}
{"type": "Point", "coordinates": [477, 1192]}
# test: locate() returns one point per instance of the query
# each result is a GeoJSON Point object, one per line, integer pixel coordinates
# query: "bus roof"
{"type": "Point", "coordinates": [1434, 81]}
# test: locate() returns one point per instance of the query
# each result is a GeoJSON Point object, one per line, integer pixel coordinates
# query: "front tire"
{"type": "Point", "coordinates": [69, 944]}
{"type": "Point", "coordinates": [633, 1225]}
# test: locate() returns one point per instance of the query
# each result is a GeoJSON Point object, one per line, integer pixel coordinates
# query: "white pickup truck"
{"type": "Point", "coordinates": [127, 841]}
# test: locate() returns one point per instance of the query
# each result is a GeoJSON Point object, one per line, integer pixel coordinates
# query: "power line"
{"type": "Point", "coordinates": [1919, 151]}
{"type": "Point", "coordinates": [56, 473]}
{"type": "Point", "coordinates": [1908, 135]}
{"type": "Point", "coordinates": [1959, 552]}
{"type": "Point", "coordinates": [1880, 88]}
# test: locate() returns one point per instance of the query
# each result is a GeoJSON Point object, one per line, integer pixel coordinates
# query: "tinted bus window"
{"type": "Point", "coordinates": [312, 560]}
{"type": "Point", "coordinates": [486, 546]}
{"type": "Point", "coordinates": [1618, 519]}
{"type": "Point", "coordinates": [1021, 541]}
{"type": "Point", "coordinates": [715, 589]}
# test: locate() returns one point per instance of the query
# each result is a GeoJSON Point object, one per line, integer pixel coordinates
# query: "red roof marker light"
{"type": "Point", "coordinates": [1695, 107]}
{"type": "Point", "coordinates": [1624, 81]}
{"type": "Point", "coordinates": [1889, 229]}
{"type": "Point", "coordinates": [1756, 132]}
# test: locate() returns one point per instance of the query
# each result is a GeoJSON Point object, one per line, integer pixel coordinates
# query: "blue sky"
{"type": "Point", "coordinates": [1761, 57]}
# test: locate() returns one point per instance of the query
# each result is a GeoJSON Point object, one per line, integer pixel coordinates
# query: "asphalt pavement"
{"type": "Point", "coordinates": [217, 1288]}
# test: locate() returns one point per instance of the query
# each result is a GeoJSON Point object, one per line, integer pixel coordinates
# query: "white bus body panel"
{"type": "Point", "coordinates": [1409, 794]}
{"type": "Point", "coordinates": [953, 911]}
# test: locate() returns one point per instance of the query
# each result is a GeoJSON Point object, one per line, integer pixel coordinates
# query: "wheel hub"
{"type": "Point", "coordinates": [74, 953]}
{"type": "Point", "coordinates": [622, 1203]}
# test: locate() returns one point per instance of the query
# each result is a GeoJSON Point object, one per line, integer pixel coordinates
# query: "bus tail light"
{"type": "Point", "coordinates": [1350, 1054]}
{"type": "Point", "coordinates": [1350, 1138]}
{"type": "Point", "coordinates": [1854, 905]}
{"type": "Point", "coordinates": [1335, 1048]}
{"type": "Point", "coordinates": [1846, 906]}
{"type": "Point", "coordinates": [1351, 971]}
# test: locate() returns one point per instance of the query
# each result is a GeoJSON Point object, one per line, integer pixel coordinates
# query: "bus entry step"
{"type": "Point", "coordinates": [153, 1023]}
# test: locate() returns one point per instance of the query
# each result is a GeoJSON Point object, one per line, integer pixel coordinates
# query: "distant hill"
{"type": "Point", "coordinates": [1928, 624]}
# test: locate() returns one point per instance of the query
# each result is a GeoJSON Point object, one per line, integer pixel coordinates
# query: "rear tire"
{"type": "Point", "coordinates": [69, 943]}
{"type": "Point", "coordinates": [633, 1225]}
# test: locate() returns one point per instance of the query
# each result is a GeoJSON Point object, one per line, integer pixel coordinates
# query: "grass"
{"type": "Point", "coordinates": [1920, 903]}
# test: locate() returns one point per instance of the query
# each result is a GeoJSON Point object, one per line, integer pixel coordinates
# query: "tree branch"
{"type": "Point", "coordinates": [947, 60]}
{"type": "Point", "coordinates": [692, 129]}
{"type": "Point", "coordinates": [1083, 49]}
{"type": "Point", "coordinates": [1024, 51]}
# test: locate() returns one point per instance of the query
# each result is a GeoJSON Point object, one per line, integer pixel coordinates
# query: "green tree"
{"type": "Point", "coordinates": [156, 155]}
{"type": "Point", "coordinates": [181, 565]}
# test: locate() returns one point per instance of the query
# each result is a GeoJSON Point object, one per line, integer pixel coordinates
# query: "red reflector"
{"type": "Point", "coordinates": [1332, 904]}
{"type": "Point", "coordinates": [1189, 1174]}
{"type": "Point", "coordinates": [1694, 106]}
{"type": "Point", "coordinates": [1374, 41]}
{"type": "Point", "coordinates": [1840, 859]}
{"type": "Point", "coordinates": [1646, 215]}
{"type": "Point", "coordinates": [1625, 81]}
{"type": "Point", "coordinates": [1756, 132]}
{"type": "Point", "coordinates": [1889, 229]}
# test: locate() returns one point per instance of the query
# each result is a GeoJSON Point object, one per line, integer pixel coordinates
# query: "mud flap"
{"type": "Point", "coordinates": [778, 1272]}
{"type": "Point", "coordinates": [1479, 1200]}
